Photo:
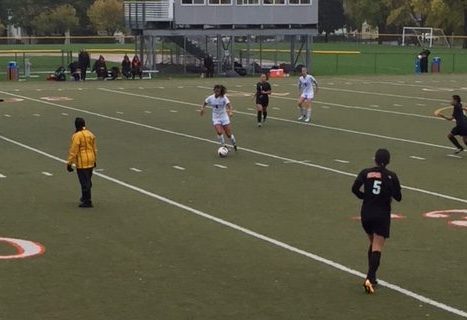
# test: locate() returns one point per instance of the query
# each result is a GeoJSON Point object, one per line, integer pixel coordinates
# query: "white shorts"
{"type": "Point", "coordinates": [308, 96]}
{"type": "Point", "coordinates": [223, 121]}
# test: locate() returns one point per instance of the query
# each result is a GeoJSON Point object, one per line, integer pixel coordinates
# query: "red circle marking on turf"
{"type": "Point", "coordinates": [444, 214]}
{"type": "Point", "coordinates": [56, 98]}
{"type": "Point", "coordinates": [24, 248]}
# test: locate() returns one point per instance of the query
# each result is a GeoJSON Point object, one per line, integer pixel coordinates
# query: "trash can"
{"type": "Point", "coordinates": [436, 65]}
{"type": "Point", "coordinates": [12, 71]}
{"type": "Point", "coordinates": [418, 65]}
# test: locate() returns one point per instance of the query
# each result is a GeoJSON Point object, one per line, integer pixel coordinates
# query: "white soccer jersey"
{"type": "Point", "coordinates": [305, 84]}
{"type": "Point", "coordinates": [218, 105]}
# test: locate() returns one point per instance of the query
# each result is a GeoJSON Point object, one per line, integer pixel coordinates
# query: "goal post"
{"type": "Point", "coordinates": [425, 37]}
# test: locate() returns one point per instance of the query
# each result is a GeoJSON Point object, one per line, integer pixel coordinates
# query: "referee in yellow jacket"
{"type": "Point", "coordinates": [82, 154]}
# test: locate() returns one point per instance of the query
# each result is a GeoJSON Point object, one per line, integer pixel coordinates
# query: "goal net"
{"type": "Point", "coordinates": [424, 37]}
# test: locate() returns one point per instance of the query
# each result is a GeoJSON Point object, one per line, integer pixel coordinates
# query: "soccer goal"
{"type": "Point", "coordinates": [424, 37]}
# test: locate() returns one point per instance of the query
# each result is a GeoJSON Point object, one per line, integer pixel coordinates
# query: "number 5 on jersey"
{"type": "Point", "coordinates": [377, 187]}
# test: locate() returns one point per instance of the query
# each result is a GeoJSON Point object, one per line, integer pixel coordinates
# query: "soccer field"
{"type": "Point", "coordinates": [267, 233]}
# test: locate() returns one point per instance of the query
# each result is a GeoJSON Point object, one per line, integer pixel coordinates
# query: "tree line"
{"type": "Point", "coordinates": [56, 17]}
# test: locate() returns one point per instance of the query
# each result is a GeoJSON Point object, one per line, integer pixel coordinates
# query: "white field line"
{"type": "Point", "coordinates": [48, 174]}
{"type": "Point", "coordinates": [284, 120]}
{"type": "Point", "coordinates": [371, 108]}
{"type": "Point", "coordinates": [260, 153]}
{"type": "Point", "coordinates": [454, 156]}
{"type": "Point", "coordinates": [136, 170]}
{"type": "Point", "coordinates": [341, 161]}
{"type": "Point", "coordinates": [368, 81]}
{"type": "Point", "coordinates": [220, 166]}
{"type": "Point", "coordinates": [259, 164]}
{"type": "Point", "coordinates": [417, 158]}
{"type": "Point", "coordinates": [256, 235]}
{"type": "Point", "coordinates": [179, 168]}
{"type": "Point", "coordinates": [2, 176]}
{"type": "Point", "coordinates": [7, 115]}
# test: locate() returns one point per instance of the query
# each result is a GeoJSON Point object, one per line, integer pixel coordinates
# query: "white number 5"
{"type": "Point", "coordinates": [377, 187]}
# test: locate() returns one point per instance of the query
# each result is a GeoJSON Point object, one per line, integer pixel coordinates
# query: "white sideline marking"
{"type": "Point", "coordinates": [341, 161]}
{"type": "Point", "coordinates": [273, 156]}
{"type": "Point", "coordinates": [48, 174]}
{"type": "Point", "coordinates": [136, 170]}
{"type": "Point", "coordinates": [179, 168]}
{"type": "Point", "coordinates": [257, 235]}
{"type": "Point", "coordinates": [220, 166]}
{"type": "Point", "coordinates": [417, 158]}
{"type": "Point", "coordinates": [351, 107]}
{"type": "Point", "coordinates": [259, 164]}
{"type": "Point", "coordinates": [454, 156]}
{"type": "Point", "coordinates": [2, 176]}
{"type": "Point", "coordinates": [64, 114]}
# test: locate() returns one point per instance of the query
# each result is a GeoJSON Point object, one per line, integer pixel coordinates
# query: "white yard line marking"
{"type": "Point", "coordinates": [341, 161]}
{"type": "Point", "coordinates": [256, 235]}
{"type": "Point", "coordinates": [273, 156]}
{"type": "Point", "coordinates": [220, 166]}
{"type": "Point", "coordinates": [2, 176]}
{"type": "Point", "coordinates": [48, 174]}
{"type": "Point", "coordinates": [179, 168]}
{"type": "Point", "coordinates": [136, 170]}
{"type": "Point", "coordinates": [417, 158]}
{"type": "Point", "coordinates": [259, 164]}
{"type": "Point", "coordinates": [455, 156]}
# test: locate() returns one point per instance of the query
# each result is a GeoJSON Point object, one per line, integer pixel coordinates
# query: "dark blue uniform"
{"type": "Point", "coordinates": [461, 121]}
{"type": "Point", "coordinates": [380, 186]}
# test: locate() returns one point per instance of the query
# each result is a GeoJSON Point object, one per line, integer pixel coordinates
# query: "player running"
{"type": "Point", "coordinates": [306, 87]}
{"type": "Point", "coordinates": [221, 113]}
{"type": "Point", "coordinates": [461, 123]}
{"type": "Point", "coordinates": [263, 90]}
{"type": "Point", "coordinates": [380, 186]}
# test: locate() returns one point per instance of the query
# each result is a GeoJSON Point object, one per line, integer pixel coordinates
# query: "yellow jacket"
{"type": "Point", "coordinates": [83, 150]}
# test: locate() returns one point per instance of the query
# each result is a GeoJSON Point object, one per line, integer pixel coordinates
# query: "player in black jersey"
{"type": "Point", "coordinates": [263, 90]}
{"type": "Point", "coordinates": [380, 186]}
{"type": "Point", "coordinates": [461, 123]}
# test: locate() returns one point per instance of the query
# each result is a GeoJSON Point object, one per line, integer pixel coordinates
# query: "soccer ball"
{"type": "Point", "coordinates": [223, 152]}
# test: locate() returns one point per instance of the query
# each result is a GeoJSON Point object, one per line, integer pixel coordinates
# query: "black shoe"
{"type": "Point", "coordinates": [459, 151]}
{"type": "Point", "coordinates": [235, 147]}
{"type": "Point", "coordinates": [86, 205]}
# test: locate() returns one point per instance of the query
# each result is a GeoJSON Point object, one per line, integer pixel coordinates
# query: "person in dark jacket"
{"type": "Point", "coordinates": [75, 70]}
{"type": "Point", "coordinates": [136, 68]}
{"type": "Point", "coordinates": [209, 65]}
{"type": "Point", "coordinates": [100, 67]}
{"type": "Point", "coordinates": [84, 63]}
{"type": "Point", "coordinates": [424, 56]}
{"type": "Point", "coordinates": [126, 67]}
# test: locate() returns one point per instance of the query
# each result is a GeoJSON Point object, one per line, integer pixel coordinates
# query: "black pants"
{"type": "Point", "coordinates": [83, 72]}
{"type": "Point", "coordinates": [84, 176]}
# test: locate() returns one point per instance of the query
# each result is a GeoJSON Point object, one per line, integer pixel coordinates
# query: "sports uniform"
{"type": "Point", "coordinates": [380, 187]}
{"type": "Point", "coordinates": [461, 121]}
{"type": "Point", "coordinates": [305, 85]}
{"type": "Point", "coordinates": [219, 109]}
{"type": "Point", "coordinates": [262, 99]}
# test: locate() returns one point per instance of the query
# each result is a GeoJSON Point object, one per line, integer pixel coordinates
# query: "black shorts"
{"type": "Point", "coordinates": [263, 101]}
{"type": "Point", "coordinates": [459, 131]}
{"type": "Point", "coordinates": [379, 224]}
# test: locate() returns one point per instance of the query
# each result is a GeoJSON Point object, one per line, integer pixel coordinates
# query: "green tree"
{"type": "Point", "coordinates": [56, 21]}
{"type": "Point", "coordinates": [331, 16]}
{"type": "Point", "coordinates": [107, 15]}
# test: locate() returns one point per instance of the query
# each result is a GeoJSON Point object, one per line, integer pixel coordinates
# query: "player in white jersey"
{"type": "Point", "coordinates": [306, 86]}
{"type": "Point", "coordinates": [221, 113]}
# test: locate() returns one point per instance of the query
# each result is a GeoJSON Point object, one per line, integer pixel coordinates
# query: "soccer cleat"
{"type": "Point", "coordinates": [86, 205]}
{"type": "Point", "coordinates": [369, 287]}
{"type": "Point", "coordinates": [301, 118]}
{"type": "Point", "coordinates": [260, 124]}
{"type": "Point", "coordinates": [459, 151]}
{"type": "Point", "coordinates": [308, 120]}
{"type": "Point", "coordinates": [235, 147]}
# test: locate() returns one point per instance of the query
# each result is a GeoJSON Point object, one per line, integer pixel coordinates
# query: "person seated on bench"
{"type": "Point", "coordinates": [126, 67]}
{"type": "Point", "coordinates": [75, 70]}
{"type": "Point", "coordinates": [100, 67]}
{"type": "Point", "coordinates": [136, 68]}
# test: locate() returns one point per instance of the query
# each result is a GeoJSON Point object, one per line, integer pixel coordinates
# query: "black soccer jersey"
{"type": "Point", "coordinates": [380, 186]}
{"type": "Point", "coordinates": [458, 115]}
{"type": "Point", "coordinates": [260, 87]}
